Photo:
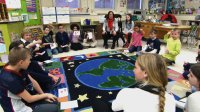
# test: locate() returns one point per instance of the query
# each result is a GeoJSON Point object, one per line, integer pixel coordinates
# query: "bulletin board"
{"type": "Point", "coordinates": [36, 32]}
{"type": "Point", "coordinates": [57, 15]}
{"type": "Point", "coordinates": [34, 18]}
{"type": "Point", "coordinates": [13, 4]}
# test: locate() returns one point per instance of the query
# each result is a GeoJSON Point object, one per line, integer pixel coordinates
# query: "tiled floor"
{"type": "Point", "coordinates": [186, 55]}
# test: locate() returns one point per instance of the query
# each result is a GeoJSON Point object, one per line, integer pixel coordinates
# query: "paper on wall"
{"type": "Point", "coordinates": [48, 10]}
{"type": "Point", "coordinates": [4, 58]}
{"type": "Point", "coordinates": [63, 19]}
{"type": "Point", "coordinates": [2, 48]}
{"type": "Point", "coordinates": [49, 19]}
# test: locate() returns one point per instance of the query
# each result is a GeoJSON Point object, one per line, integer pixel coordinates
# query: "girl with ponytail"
{"type": "Point", "coordinates": [149, 93]}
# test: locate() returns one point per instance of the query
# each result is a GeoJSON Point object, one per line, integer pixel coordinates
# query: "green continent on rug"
{"type": "Point", "coordinates": [98, 78]}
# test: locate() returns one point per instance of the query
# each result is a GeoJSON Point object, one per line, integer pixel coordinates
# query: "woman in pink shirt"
{"type": "Point", "coordinates": [136, 40]}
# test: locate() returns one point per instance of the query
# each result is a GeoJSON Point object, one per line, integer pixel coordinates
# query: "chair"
{"type": "Point", "coordinates": [192, 36]}
{"type": "Point", "coordinates": [120, 28]}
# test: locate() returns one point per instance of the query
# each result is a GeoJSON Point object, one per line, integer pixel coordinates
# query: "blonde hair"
{"type": "Point", "coordinates": [156, 70]}
{"type": "Point", "coordinates": [25, 31]}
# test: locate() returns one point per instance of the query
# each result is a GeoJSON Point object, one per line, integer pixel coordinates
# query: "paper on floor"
{"type": "Point", "coordinates": [62, 92]}
{"type": "Point", "coordinates": [68, 105]}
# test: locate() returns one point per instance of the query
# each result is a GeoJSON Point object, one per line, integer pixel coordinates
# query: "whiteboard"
{"type": "Point", "coordinates": [62, 10]}
{"type": "Point", "coordinates": [48, 11]}
{"type": "Point", "coordinates": [63, 19]}
{"type": "Point", "coordinates": [49, 19]}
{"type": "Point", "coordinates": [13, 4]}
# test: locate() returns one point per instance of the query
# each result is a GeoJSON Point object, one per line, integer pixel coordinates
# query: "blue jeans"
{"type": "Point", "coordinates": [135, 49]}
{"type": "Point", "coordinates": [52, 51]}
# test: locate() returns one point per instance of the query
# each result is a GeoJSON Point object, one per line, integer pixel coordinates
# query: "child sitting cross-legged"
{"type": "Point", "coordinates": [75, 37]}
{"type": "Point", "coordinates": [19, 91]}
{"type": "Point", "coordinates": [153, 43]}
{"type": "Point", "coordinates": [136, 40]}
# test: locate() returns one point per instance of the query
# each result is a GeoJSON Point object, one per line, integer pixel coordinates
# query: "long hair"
{"type": "Point", "coordinates": [195, 69]}
{"type": "Point", "coordinates": [130, 19]}
{"type": "Point", "coordinates": [107, 17]}
{"type": "Point", "coordinates": [156, 70]}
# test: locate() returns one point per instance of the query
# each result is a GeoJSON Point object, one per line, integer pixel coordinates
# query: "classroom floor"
{"type": "Point", "coordinates": [186, 55]}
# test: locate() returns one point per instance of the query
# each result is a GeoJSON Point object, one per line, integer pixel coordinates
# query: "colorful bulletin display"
{"type": "Point", "coordinates": [31, 18]}
{"type": "Point", "coordinates": [13, 4]}
{"type": "Point", "coordinates": [36, 32]}
{"type": "Point", "coordinates": [31, 5]}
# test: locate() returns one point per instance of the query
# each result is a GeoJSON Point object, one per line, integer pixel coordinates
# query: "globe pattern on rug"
{"type": "Point", "coordinates": [106, 74]}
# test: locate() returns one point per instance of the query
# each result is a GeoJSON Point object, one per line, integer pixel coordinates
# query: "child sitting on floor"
{"type": "Point", "coordinates": [173, 46]}
{"type": "Point", "coordinates": [46, 80]}
{"type": "Point", "coordinates": [75, 37]}
{"type": "Point", "coordinates": [62, 39]}
{"type": "Point", "coordinates": [48, 42]}
{"type": "Point", "coordinates": [153, 43]}
{"type": "Point", "coordinates": [89, 39]}
{"type": "Point", "coordinates": [18, 87]}
{"type": "Point", "coordinates": [136, 40]}
{"type": "Point", "coordinates": [192, 104]}
{"type": "Point", "coordinates": [187, 65]}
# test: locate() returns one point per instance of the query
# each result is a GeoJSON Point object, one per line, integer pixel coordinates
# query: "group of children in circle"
{"type": "Point", "coordinates": [24, 78]}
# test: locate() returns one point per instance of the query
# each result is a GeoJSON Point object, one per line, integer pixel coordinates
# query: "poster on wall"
{"type": "Point", "coordinates": [2, 43]}
{"type": "Point", "coordinates": [13, 4]}
{"type": "Point", "coordinates": [31, 5]}
{"type": "Point", "coordinates": [36, 33]}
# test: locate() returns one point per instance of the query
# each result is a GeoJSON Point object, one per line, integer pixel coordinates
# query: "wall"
{"type": "Point", "coordinates": [23, 10]}
{"type": "Point", "coordinates": [94, 13]}
{"type": "Point", "coordinates": [192, 4]}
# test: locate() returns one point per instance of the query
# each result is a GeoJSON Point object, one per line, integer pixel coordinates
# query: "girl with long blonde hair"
{"type": "Point", "coordinates": [149, 94]}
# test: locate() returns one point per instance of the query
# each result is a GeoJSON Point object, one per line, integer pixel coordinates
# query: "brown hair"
{"type": "Point", "coordinates": [137, 25]}
{"type": "Point", "coordinates": [17, 54]}
{"type": "Point", "coordinates": [25, 31]}
{"type": "Point", "coordinates": [130, 18]}
{"type": "Point", "coordinates": [60, 25]}
{"type": "Point", "coordinates": [156, 70]}
{"type": "Point", "coordinates": [153, 31]}
{"type": "Point", "coordinates": [107, 16]}
{"type": "Point", "coordinates": [195, 69]}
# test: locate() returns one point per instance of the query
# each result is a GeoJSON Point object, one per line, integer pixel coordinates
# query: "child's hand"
{"type": "Point", "coordinates": [168, 33]}
{"type": "Point", "coordinates": [50, 97]}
